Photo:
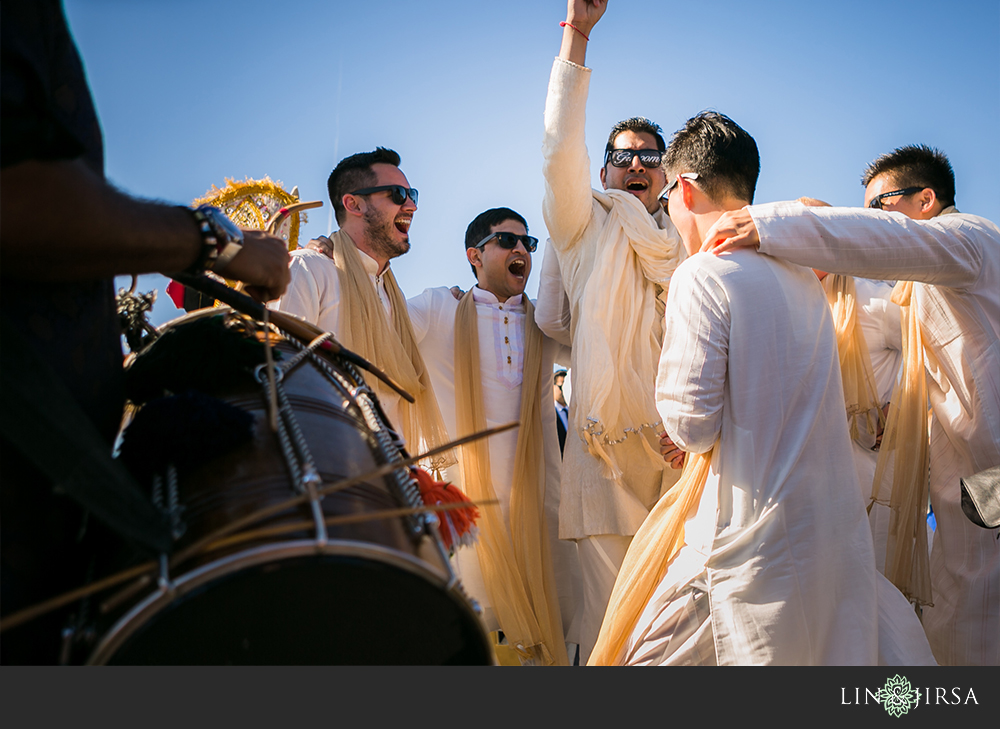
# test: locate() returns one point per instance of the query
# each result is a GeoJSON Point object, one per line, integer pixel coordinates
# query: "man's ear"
{"type": "Point", "coordinates": [604, 183]}
{"type": "Point", "coordinates": [687, 192]}
{"type": "Point", "coordinates": [927, 198]}
{"type": "Point", "coordinates": [352, 205]}
{"type": "Point", "coordinates": [474, 256]}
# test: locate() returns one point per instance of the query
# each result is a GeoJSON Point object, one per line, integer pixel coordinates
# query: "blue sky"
{"type": "Point", "coordinates": [190, 93]}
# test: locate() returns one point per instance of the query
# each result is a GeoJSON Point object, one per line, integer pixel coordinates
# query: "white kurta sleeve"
{"type": "Point", "coordinates": [690, 384]}
{"type": "Point", "coordinates": [552, 312]}
{"type": "Point", "coordinates": [567, 205]}
{"type": "Point", "coordinates": [314, 290]}
{"type": "Point", "coordinates": [944, 251]}
{"type": "Point", "coordinates": [420, 308]}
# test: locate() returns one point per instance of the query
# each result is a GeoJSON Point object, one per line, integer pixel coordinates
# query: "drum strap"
{"type": "Point", "coordinates": [42, 420]}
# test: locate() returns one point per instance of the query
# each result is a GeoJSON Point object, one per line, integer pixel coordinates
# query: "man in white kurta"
{"type": "Point", "coordinates": [501, 327]}
{"type": "Point", "coordinates": [777, 565]}
{"type": "Point", "coordinates": [602, 512]}
{"type": "Point", "coordinates": [378, 228]}
{"type": "Point", "coordinates": [954, 258]}
{"type": "Point", "coordinates": [314, 294]}
{"type": "Point", "coordinates": [902, 641]}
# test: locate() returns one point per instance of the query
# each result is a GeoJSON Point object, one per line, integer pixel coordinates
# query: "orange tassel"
{"type": "Point", "coordinates": [458, 525]}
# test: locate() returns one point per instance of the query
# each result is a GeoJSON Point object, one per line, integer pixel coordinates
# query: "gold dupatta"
{"type": "Point", "coordinates": [860, 394]}
{"type": "Point", "coordinates": [516, 563]}
{"type": "Point", "coordinates": [905, 445]}
{"type": "Point", "coordinates": [653, 548]}
{"type": "Point", "coordinates": [390, 346]}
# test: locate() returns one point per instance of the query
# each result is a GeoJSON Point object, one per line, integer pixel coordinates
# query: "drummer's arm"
{"type": "Point", "coordinates": [59, 221]}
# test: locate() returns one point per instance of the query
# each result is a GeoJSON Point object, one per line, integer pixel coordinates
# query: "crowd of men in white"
{"type": "Point", "coordinates": [713, 490]}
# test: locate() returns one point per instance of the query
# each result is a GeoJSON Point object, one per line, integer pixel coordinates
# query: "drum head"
{"type": "Point", "coordinates": [331, 609]}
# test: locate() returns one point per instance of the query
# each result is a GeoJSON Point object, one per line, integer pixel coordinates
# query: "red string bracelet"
{"type": "Point", "coordinates": [565, 24]}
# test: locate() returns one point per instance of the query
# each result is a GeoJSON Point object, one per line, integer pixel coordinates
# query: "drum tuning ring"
{"type": "Point", "coordinates": [260, 373]}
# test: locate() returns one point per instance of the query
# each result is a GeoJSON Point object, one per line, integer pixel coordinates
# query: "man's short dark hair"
{"type": "Point", "coordinates": [916, 165]}
{"type": "Point", "coordinates": [636, 125]}
{"type": "Point", "coordinates": [723, 155]}
{"type": "Point", "coordinates": [355, 173]}
{"type": "Point", "coordinates": [483, 223]}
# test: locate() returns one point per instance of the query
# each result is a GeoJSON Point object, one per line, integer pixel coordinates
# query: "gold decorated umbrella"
{"type": "Point", "coordinates": [253, 205]}
{"type": "Point", "coordinates": [261, 205]}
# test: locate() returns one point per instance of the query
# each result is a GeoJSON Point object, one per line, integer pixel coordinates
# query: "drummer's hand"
{"type": "Point", "coordinates": [457, 292]}
{"type": "Point", "coordinates": [262, 265]}
{"type": "Point", "coordinates": [321, 245]}
{"type": "Point", "coordinates": [671, 453]}
{"type": "Point", "coordinates": [734, 229]}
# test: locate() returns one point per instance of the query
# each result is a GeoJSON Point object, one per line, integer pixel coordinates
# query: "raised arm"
{"type": "Point", "coordinates": [581, 17]}
{"type": "Point", "coordinates": [552, 311]}
{"type": "Point", "coordinates": [567, 204]}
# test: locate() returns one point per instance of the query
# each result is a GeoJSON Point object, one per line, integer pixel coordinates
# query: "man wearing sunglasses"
{"type": "Point", "coordinates": [614, 251]}
{"type": "Point", "coordinates": [911, 231]}
{"type": "Point", "coordinates": [490, 365]}
{"type": "Point", "coordinates": [344, 285]}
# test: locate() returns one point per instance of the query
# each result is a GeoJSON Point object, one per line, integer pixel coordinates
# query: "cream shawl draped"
{"type": "Point", "coordinates": [617, 333]}
{"type": "Point", "coordinates": [389, 345]}
{"type": "Point", "coordinates": [905, 445]}
{"type": "Point", "coordinates": [516, 563]}
{"type": "Point", "coordinates": [653, 548]}
{"type": "Point", "coordinates": [860, 395]}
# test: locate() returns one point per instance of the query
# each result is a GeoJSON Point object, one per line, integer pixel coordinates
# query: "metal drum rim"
{"type": "Point", "coordinates": [151, 605]}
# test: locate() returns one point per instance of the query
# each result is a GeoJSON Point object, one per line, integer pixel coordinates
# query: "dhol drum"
{"type": "Point", "coordinates": [275, 561]}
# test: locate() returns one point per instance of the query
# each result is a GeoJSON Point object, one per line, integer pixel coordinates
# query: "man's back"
{"type": "Point", "coordinates": [751, 359]}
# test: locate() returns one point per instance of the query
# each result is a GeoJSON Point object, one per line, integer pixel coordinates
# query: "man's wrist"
{"type": "Point", "coordinates": [221, 239]}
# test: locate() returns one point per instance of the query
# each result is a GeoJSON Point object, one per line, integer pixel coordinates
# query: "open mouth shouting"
{"type": "Point", "coordinates": [518, 268]}
{"type": "Point", "coordinates": [402, 223]}
{"type": "Point", "coordinates": [637, 184]}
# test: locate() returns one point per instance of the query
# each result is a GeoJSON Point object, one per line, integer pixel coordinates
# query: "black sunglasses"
{"type": "Point", "coordinates": [509, 241]}
{"type": "Point", "coordinates": [399, 193]}
{"type": "Point", "coordinates": [623, 157]}
{"type": "Point", "coordinates": [876, 202]}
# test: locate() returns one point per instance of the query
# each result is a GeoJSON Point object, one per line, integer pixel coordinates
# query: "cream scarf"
{"type": "Point", "coordinates": [905, 445]}
{"type": "Point", "coordinates": [860, 394]}
{"type": "Point", "coordinates": [516, 563]}
{"type": "Point", "coordinates": [390, 346]}
{"type": "Point", "coordinates": [653, 548]}
{"type": "Point", "coordinates": [616, 337]}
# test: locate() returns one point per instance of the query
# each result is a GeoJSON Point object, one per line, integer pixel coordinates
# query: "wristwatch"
{"type": "Point", "coordinates": [221, 239]}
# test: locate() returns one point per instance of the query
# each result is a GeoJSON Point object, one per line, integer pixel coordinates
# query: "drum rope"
{"type": "Point", "coordinates": [405, 488]}
{"type": "Point", "coordinates": [310, 477]}
{"type": "Point", "coordinates": [302, 354]}
{"type": "Point", "coordinates": [272, 404]}
{"type": "Point", "coordinates": [295, 450]}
